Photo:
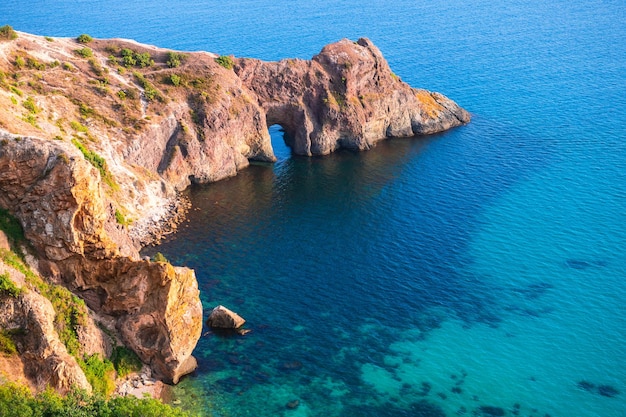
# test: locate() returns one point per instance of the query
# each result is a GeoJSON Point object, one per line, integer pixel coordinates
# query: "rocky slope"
{"type": "Point", "coordinates": [96, 139]}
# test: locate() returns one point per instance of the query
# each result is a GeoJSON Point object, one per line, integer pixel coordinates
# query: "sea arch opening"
{"type": "Point", "coordinates": [280, 141]}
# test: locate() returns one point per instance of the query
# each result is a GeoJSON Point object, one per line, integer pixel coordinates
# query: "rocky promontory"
{"type": "Point", "coordinates": [97, 137]}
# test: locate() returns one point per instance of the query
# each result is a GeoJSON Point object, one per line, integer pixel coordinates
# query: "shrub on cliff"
{"type": "Point", "coordinates": [84, 52]}
{"type": "Point", "coordinates": [84, 38]}
{"type": "Point", "coordinates": [174, 59]}
{"type": "Point", "coordinates": [125, 361]}
{"type": "Point", "coordinates": [225, 61]}
{"type": "Point", "coordinates": [100, 373]}
{"type": "Point", "coordinates": [7, 345]}
{"type": "Point", "coordinates": [7, 33]}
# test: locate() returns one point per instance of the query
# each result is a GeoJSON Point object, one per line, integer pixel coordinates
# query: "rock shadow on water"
{"type": "Point", "coordinates": [604, 390]}
{"type": "Point", "coordinates": [582, 264]}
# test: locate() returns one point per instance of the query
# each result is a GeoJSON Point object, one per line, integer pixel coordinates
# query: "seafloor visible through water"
{"type": "Point", "coordinates": [480, 272]}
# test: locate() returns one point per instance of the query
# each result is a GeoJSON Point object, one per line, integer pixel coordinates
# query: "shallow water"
{"type": "Point", "coordinates": [473, 272]}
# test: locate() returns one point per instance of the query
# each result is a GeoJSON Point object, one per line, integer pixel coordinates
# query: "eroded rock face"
{"type": "Point", "coordinates": [345, 97]}
{"type": "Point", "coordinates": [44, 356]}
{"type": "Point", "coordinates": [57, 196]}
{"type": "Point", "coordinates": [156, 136]}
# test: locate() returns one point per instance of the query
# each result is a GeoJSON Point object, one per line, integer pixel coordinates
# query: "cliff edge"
{"type": "Point", "coordinates": [98, 136]}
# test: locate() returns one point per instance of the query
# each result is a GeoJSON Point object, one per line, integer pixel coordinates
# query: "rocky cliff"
{"type": "Point", "coordinates": [97, 137]}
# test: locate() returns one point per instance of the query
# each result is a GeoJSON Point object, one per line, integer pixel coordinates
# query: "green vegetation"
{"type": "Point", "coordinates": [121, 219]}
{"type": "Point", "coordinates": [121, 94]}
{"type": "Point", "coordinates": [31, 119]}
{"type": "Point", "coordinates": [131, 58]}
{"type": "Point", "coordinates": [8, 287]}
{"type": "Point", "coordinates": [70, 310]}
{"type": "Point", "coordinates": [7, 33]}
{"type": "Point", "coordinates": [17, 401]}
{"type": "Point", "coordinates": [225, 61]}
{"type": "Point", "coordinates": [100, 374]}
{"type": "Point", "coordinates": [84, 52]}
{"type": "Point", "coordinates": [159, 257]}
{"type": "Point", "coordinates": [13, 229]}
{"type": "Point", "coordinates": [125, 361]}
{"type": "Point", "coordinates": [16, 90]}
{"type": "Point", "coordinates": [84, 38]}
{"type": "Point", "coordinates": [78, 127]}
{"type": "Point", "coordinates": [7, 345]}
{"type": "Point", "coordinates": [149, 91]}
{"type": "Point", "coordinates": [32, 63]}
{"type": "Point", "coordinates": [29, 104]}
{"type": "Point", "coordinates": [175, 59]}
{"type": "Point", "coordinates": [96, 67]}
{"type": "Point", "coordinates": [49, 39]}
{"type": "Point", "coordinates": [175, 80]}
{"type": "Point", "coordinates": [85, 111]}
{"type": "Point", "coordinates": [68, 66]}
{"type": "Point", "coordinates": [19, 62]}
{"type": "Point", "coordinates": [97, 161]}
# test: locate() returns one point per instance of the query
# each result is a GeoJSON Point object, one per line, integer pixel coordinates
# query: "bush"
{"type": "Point", "coordinates": [84, 52]}
{"type": "Point", "coordinates": [17, 401]}
{"type": "Point", "coordinates": [19, 62]}
{"type": "Point", "coordinates": [174, 59]}
{"type": "Point", "coordinates": [144, 60]}
{"type": "Point", "coordinates": [121, 219]}
{"type": "Point", "coordinates": [84, 38]}
{"type": "Point", "coordinates": [125, 361]}
{"type": "Point", "coordinates": [225, 61]}
{"type": "Point", "coordinates": [159, 257]}
{"type": "Point", "coordinates": [100, 374]}
{"type": "Point", "coordinates": [7, 33]}
{"type": "Point", "coordinates": [7, 345]}
{"type": "Point", "coordinates": [175, 80]}
{"type": "Point", "coordinates": [29, 104]}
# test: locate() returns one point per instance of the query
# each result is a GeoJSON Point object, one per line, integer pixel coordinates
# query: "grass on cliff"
{"type": "Point", "coordinates": [99, 162]}
{"type": "Point", "coordinates": [17, 401]}
{"type": "Point", "coordinates": [70, 311]}
{"type": "Point", "coordinates": [7, 287]}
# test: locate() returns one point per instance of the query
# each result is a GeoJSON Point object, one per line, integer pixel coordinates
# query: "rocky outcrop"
{"type": "Point", "coordinates": [94, 148]}
{"type": "Point", "coordinates": [223, 318]}
{"type": "Point", "coordinates": [346, 97]}
{"type": "Point", "coordinates": [44, 357]}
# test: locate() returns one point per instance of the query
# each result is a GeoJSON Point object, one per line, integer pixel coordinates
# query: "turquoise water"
{"type": "Point", "coordinates": [478, 272]}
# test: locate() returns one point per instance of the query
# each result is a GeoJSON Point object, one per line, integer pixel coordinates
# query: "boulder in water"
{"type": "Point", "coordinates": [223, 318]}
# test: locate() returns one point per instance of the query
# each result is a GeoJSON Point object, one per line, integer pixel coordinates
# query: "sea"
{"type": "Point", "coordinates": [478, 272]}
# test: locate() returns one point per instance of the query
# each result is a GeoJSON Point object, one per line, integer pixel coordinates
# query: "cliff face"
{"type": "Point", "coordinates": [347, 97]}
{"type": "Point", "coordinates": [97, 138]}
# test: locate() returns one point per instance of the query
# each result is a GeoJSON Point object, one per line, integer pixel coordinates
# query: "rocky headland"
{"type": "Point", "coordinates": [97, 137]}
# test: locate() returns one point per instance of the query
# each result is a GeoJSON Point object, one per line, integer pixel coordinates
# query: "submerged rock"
{"type": "Point", "coordinates": [223, 318]}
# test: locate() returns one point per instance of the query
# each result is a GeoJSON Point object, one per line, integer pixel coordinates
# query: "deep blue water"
{"type": "Point", "coordinates": [483, 267]}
